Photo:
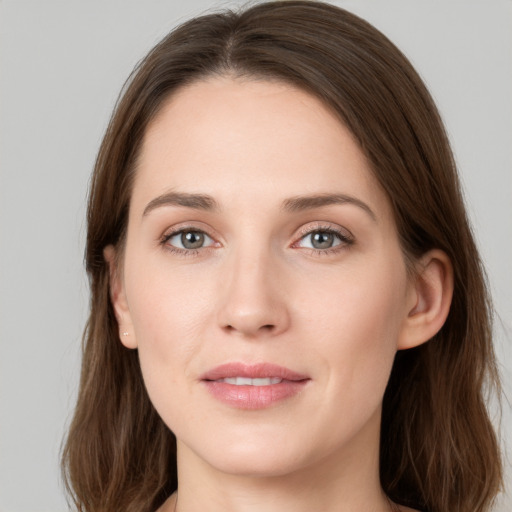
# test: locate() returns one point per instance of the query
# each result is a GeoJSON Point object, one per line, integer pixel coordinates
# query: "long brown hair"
{"type": "Point", "coordinates": [439, 451]}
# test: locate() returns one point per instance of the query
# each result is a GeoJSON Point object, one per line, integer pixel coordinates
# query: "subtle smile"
{"type": "Point", "coordinates": [253, 386]}
{"type": "Point", "coordinates": [246, 381]}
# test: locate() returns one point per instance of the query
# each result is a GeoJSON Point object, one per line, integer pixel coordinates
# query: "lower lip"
{"type": "Point", "coordinates": [254, 397]}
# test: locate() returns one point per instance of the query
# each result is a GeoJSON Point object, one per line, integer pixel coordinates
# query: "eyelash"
{"type": "Point", "coordinates": [346, 240]}
{"type": "Point", "coordinates": [176, 250]}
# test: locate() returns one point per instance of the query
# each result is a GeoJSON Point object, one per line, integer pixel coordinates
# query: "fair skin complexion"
{"type": "Point", "coordinates": [290, 256]}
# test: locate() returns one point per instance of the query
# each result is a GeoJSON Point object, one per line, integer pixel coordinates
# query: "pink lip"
{"type": "Point", "coordinates": [248, 396]}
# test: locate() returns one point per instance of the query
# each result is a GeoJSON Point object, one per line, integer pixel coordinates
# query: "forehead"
{"type": "Point", "coordinates": [249, 140]}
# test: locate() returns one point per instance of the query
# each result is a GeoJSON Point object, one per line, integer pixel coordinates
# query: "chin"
{"type": "Point", "coordinates": [257, 465]}
{"type": "Point", "coordinates": [255, 456]}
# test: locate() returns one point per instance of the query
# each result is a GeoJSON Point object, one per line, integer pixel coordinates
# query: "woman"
{"type": "Point", "coordinates": [288, 309]}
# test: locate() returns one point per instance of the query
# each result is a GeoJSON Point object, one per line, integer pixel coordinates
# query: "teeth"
{"type": "Point", "coordinates": [246, 381]}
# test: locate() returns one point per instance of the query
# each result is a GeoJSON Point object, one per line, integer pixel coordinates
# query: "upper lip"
{"type": "Point", "coordinates": [253, 371]}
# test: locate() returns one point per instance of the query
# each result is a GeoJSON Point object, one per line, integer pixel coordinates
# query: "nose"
{"type": "Point", "coordinates": [253, 298]}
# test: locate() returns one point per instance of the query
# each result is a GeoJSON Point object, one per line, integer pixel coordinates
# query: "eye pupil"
{"type": "Point", "coordinates": [322, 240]}
{"type": "Point", "coordinates": [192, 239]}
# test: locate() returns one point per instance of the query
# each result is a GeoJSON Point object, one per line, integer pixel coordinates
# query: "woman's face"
{"type": "Point", "coordinates": [262, 282]}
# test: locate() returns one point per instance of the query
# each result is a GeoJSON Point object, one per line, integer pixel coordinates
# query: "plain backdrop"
{"type": "Point", "coordinates": [62, 65]}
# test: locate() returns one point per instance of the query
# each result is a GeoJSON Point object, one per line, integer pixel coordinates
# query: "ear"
{"type": "Point", "coordinates": [430, 298]}
{"type": "Point", "coordinates": [118, 299]}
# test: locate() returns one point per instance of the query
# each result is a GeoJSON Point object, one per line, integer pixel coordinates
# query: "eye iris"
{"type": "Point", "coordinates": [192, 239]}
{"type": "Point", "coordinates": [322, 240]}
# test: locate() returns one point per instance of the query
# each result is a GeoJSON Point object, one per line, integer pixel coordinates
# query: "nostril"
{"type": "Point", "coordinates": [262, 328]}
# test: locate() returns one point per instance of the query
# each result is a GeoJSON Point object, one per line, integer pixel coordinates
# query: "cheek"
{"type": "Point", "coordinates": [356, 323]}
{"type": "Point", "coordinates": [165, 308]}
{"type": "Point", "coordinates": [164, 302]}
{"type": "Point", "coordinates": [165, 322]}
{"type": "Point", "coordinates": [363, 304]}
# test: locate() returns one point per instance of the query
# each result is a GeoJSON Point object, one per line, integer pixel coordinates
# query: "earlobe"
{"type": "Point", "coordinates": [432, 290]}
{"type": "Point", "coordinates": [118, 299]}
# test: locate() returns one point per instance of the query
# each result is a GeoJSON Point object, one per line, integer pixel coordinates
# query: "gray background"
{"type": "Point", "coordinates": [62, 65]}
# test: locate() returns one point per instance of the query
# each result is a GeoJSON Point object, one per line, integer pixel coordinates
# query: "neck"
{"type": "Point", "coordinates": [346, 480]}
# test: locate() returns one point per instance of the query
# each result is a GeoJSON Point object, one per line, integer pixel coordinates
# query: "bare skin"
{"type": "Point", "coordinates": [171, 505]}
{"type": "Point", "coordinates": [234, 255]}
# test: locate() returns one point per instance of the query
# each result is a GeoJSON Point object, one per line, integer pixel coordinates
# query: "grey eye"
{"type": "Point", "coordinates": [321, 240]}
{"type": "Point", "coordinates": [192, 239]}
{"type": "Point", "coordinates": [189, 240]}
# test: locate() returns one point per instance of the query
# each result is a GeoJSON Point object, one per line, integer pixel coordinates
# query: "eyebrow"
{"type": "Point", "coordinates": [195, 201]}
{"type": "Point", "coordinates": [300, 203]}
{"type": "Point", "coordinates": [293, 204]}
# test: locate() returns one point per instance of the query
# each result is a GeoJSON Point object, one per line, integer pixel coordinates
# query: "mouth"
{"type": "Point", "coordinates": [247, 381]}
{"type": "Point", "coordinates": [259, 386]}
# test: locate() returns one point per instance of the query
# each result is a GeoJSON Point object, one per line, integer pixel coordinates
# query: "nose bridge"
{"type": "Point", "coordinates": [252, 303]}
